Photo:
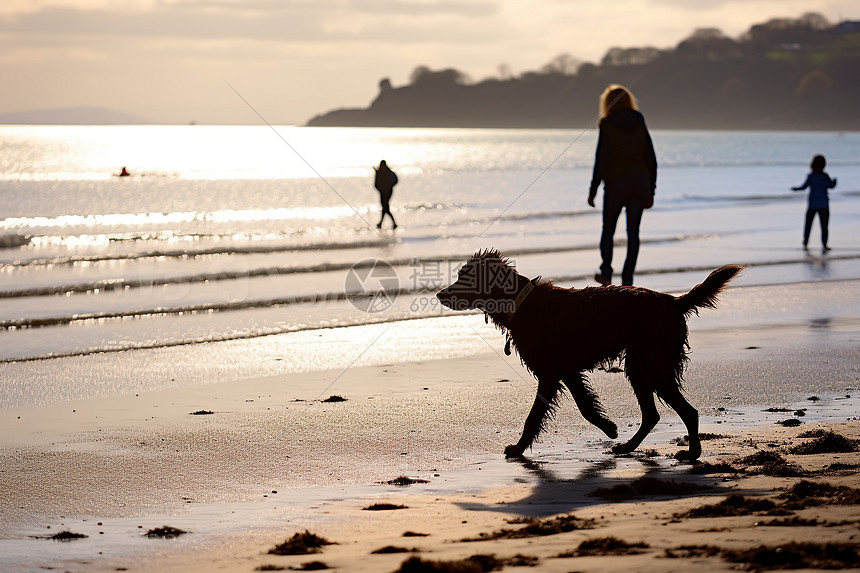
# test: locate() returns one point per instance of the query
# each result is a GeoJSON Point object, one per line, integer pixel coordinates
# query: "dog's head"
{"type": "Point", "coordinates": [487, 282]}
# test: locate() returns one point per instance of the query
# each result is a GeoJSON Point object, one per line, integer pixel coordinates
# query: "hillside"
{"type": "Point", "coordinates": [785, 74]}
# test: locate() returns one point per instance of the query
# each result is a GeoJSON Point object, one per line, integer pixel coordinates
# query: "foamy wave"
{"type": "Point", "coordinates": [751, 197]}
{"type": "Point", "coordinates": [115, 284]}
{"type": "Point", "coordinates": [149, 219]}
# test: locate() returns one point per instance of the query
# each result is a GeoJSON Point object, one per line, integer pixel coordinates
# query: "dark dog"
{"type": "Point", "coordinates": [562, 333]}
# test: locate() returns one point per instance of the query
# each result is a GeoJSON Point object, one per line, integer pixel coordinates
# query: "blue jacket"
{"type": "Point", "coordinates": [818, 184]}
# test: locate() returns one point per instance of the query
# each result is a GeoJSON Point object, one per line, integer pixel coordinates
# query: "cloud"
{"type": "Point", "coordinates": [392, 21]}
{"type": "Point", "coordinates": [301, 57]}
{"type": "Point", "coordinates": [351, 7]}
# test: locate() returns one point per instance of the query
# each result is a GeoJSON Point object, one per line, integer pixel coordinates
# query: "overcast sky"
{"type": "Point", "coordinates": [168, 60]}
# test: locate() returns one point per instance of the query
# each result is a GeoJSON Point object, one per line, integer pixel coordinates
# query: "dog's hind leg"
{"type": "Point", "coordinates": [588, 404]}
{"type": "Point", "coordinates": [650, 417]}
{"type": "Point", "coordinates": [645, 396]}
{"type": "Point", "coordinates": [542, 409]}
{"type": "Point", "coordinates": [689, 415]}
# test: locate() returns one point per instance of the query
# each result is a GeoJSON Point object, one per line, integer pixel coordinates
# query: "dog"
{"type": "Point", "coordinates": [560, 334]}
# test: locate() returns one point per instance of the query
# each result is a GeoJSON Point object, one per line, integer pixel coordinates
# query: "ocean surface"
{"type": "Point", "coordinates": [230, 250]}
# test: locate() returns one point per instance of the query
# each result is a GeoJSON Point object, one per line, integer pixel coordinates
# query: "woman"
{"type": "Point", "coordinates": [626, 164]}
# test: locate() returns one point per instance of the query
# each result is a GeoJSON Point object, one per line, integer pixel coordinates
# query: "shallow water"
{"type": "Point", "coordinates": [232, 235]}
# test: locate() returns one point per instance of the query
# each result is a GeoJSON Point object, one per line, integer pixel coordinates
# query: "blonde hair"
{"type": "Point", "coordinates": [615, 97]}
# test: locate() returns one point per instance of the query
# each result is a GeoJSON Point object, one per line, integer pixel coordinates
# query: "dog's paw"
{"type": "Point", "coordinates": [621, 449]}
{"type": "Point", "coordinates": [686, 456]}
{"type": "Point", "coordinates": [514, 451]}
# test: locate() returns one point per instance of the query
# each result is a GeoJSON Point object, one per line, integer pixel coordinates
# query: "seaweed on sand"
{"type": "Point", "coordinates": [735, 504]}
{"type": "Point", "coordinates": [65, 535]}
{"type": "Point", "coordinates": [311, 566]}
{"type": "Point", "coordinates": [537, 528]}
{"type": "Point", "coordinates": [760, 458]}
{"type": "Point", "coordinates": [797, 556]}
{"type": "Point", "coordinates": [393, 549]}
{"type": "Point", "coordinates": [301, 544]}
{"type": "Point", "coordinates": [840, 467]}
{"type": "Point", "coordinates": [405, 481]}
{"type": "Point", "coordinates": [793, 521]}
{"type": "Point", "coordinates": [605, 546]}
{"type": "Point", "coordinates": [704, 468]}
{"type": "Point", "coordinates": [383, 507]}
{"type": "Point", "coordinates": [689, 551]}
{"type": "Point", "coordinates": [807, 493]}
{"type": "Point", "coordinates": [473, 564]}
{"type": "Point", "coordinates": [786, 556]}
{"type": "Point", "coordinates": [826, 442]}
{"type": "Point", "coordinates": [772, 464]}
{"type": "Point", "coordinates": [816, 433]}
{"type": "Point", "coordinates": [165, 532]}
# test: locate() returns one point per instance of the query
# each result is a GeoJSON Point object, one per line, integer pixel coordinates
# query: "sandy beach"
{"type": "Point", "coordinates": [244, 465]}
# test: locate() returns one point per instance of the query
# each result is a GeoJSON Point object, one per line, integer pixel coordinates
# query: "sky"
{"type": "Point", "coordinates": [235, 61]}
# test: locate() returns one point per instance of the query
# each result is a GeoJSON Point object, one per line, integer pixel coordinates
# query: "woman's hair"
{"type": "Point", "coordinates": [615, 97]}
{"type": "Point", "coordinates": [818, 163]}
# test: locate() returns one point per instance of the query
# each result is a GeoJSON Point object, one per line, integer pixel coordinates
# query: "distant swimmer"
{"type": "Point", "coordinates": [124, 172]}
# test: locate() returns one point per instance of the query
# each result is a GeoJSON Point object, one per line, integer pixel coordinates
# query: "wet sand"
{"type": "Point", "coordinates": [244, 465]}
{"type": "Point", "coordinates": [632, 514]}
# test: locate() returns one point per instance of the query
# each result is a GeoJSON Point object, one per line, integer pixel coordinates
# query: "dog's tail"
{"type": "Point", "coordinates": [705, 295]}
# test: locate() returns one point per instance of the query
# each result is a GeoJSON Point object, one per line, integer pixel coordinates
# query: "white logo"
{"type": "Point", "coordinates": [377, 280]}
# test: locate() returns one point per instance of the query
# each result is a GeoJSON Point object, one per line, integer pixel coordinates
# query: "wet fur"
{"type": "Point", "coordinates": [560, 334]}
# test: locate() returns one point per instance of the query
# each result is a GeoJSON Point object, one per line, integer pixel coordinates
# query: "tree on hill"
{"type": "Point", "coordinates": [563, 64]}
{"type": "Point", "coordinates": [785, 73]}
{"type": "Point", "coordinates": [422, 75]}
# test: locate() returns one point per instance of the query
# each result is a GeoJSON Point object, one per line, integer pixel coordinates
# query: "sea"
{"type": "Point", "coordinates": [237, 251]}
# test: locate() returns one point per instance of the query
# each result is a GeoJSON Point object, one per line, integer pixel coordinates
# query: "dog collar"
{"type": "Point", "coordinates": [521, 296]}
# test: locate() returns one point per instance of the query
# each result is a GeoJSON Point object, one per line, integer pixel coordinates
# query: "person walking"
{"type": "Point", "coordinates": [818, 182]}
{"type": "Point", "coordinates": [626, 164]}
{"type": "Point", "coordinates": [384, 182]}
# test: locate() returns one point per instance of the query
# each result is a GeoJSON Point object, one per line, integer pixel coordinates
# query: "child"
{"type": "Point", "coordinates": [818, 182]}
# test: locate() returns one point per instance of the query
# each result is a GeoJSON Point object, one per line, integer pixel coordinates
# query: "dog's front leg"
{"type": "Point", "coordinates": [542, 408]}
{"type": "Point", "coordinates": [588, 404]}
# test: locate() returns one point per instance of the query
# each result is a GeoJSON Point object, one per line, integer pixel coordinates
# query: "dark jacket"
{"type": "Point", "coordinates": [818, 184]}
{"type": "Point", "coordinates": [385, 180]}
{"type": "Point", "coordinates": [624, 149]}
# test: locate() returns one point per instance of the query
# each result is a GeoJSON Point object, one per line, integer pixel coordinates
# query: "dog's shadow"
{"type": "Point", "coordinates": [599, 483]}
